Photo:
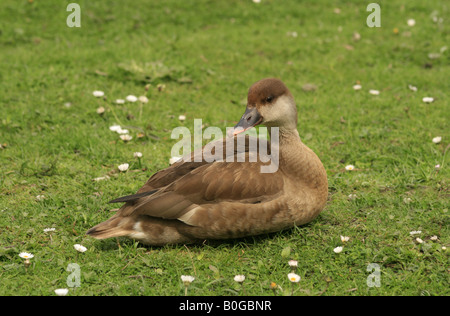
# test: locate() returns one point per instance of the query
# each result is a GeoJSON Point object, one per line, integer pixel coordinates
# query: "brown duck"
{"type": "Point", "coordinates": [193, 200]}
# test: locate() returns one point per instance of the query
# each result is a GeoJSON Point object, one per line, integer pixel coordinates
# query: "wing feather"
{"type": "Point", "coordinates": [179, 191]}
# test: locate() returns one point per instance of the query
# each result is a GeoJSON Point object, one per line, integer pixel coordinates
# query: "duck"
{"type": "Point", "coordinates": [194, 200]}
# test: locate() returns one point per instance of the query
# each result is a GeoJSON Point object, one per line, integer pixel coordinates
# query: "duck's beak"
{"type": "Point", "coordinates": [250, 119]}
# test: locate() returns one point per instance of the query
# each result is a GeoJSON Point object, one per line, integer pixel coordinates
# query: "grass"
{"type": "Point", "coordinates": [207, 53]}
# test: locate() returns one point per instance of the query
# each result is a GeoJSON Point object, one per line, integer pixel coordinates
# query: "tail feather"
{"type": "Point", "coordinates": [113, 227]}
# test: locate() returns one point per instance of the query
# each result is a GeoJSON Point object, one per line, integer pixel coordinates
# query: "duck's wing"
{"type": "Point", "coordinates": [242, 146]}
{"type": "Point", "coordinates": [209, 183]}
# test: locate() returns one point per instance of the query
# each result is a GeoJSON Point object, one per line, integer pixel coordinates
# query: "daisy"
{"type": "Point", "coordinates": [344, 238]}
{"type": "Point", "coordinates": [412, 88]}
{"type": "Point", "coordinates": [123, 167]}
{"type": "Point", "coordinates": [120, 101]}
{"type": "Point", "coordinates": [428, 99]}
{"type": "Point", "coordinates": [294, 278]}
{"type": "Point", "coordinates": [100, 110]}
{"type": "Point", "coordinates": [350, 167]}
{"type": "Point", "coordinates": [79, 248]}
{"type": "Point", "coordinates": [143, 99]}
{"type": "Point", "coordinates": [98, 93]}
{"type": "Point", "coordinates": [122, 131]}
{"type": "Point", "coordinates": [256, 1]}
{"type": "Point", "coordinates": [239, 278]}
{"type": "Point", "coordinates": [52, 229]}
{"type": "Point", "coordinates": [357, 87]}
{"type": "Point", "coordinates": [374, 92]}
{"type": "Point", "coordinates": [40, 197]}
{"type": "Point", "coordinates": [187, 279]}
{"type": "Point", "coordinates": [101, 178]}
{"type": "Point", "coordinates": [338, 249]}
{"type": "Point", "coordinates": [137, 154]}
{"type": "Point", "coordinates": [411, 22]}
{"type": "Point", "coordinates": [293, 263]}
{"type": "Point", "coordinates": [131, 98]}
{"type": "Point", "coordinates": [26, 255]}
{"type": "Point", "coordinates": [61, 292]}
{"type": "Point", "coordinates": [352, 196]}
{"type": "Point", "coordinates": [434, 237]}
{"type": "Point", "coordinates": [115, 128]}
{"type": "Point", "coordinates": [126, 137]}
{"type": "Point", "coordinates": [420, 241]}
{"type": "Point", "coordinates": [182, 118]}
{"type": "Point", "coordinates": [415, 232]}
{"type": "Point", "coordinates": [437, 139]}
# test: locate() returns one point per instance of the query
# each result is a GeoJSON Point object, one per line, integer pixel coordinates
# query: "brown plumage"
{"type": "Point", "coordinates": [193, 201]}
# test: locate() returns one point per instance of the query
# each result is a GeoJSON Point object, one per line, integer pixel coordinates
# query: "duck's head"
{"type": "Point", "coordinates": [269, 103]}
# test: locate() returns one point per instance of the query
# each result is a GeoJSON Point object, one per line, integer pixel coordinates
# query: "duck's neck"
{"type": "Point", "coordinates": [294, 156]}
{"type": "Point", "coordinates": [285, 136]}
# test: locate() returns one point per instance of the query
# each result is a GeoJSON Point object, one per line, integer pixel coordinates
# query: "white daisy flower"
{"type": "Point", "coordinates": [352, 196]}
{"type": "Point", "coordinates": [122, 131]}
{"type": "Point", "coordinates": [411, 22]}
{"type": "Point", "coordinates": [137, 154]}
{"type": "Point", "coordinates": [126, 137]}
{"type": "Point", "coordinates": [40, 197]}
{"type": "Point", "coordinates": [350, 167]}
{"type": "Point", "coordinates": [427, 99]}
{"type": "Point", "coordinates": [187, 279]}
{"type": "Point", "coordinates": [101, 178]}
{"type": "Point", "coordinates": [98, 93]}
{"type": "Point", "coordinates": [338, 249]}
{"type": "Point", "coordinates": [79, 248]}
{"type": "Point", "coordinates": [295, 278]}
{"type": "Point", "coordinates": [52, 229]}
{"type": "Point", "coordinates": [26, 255]}
{"type": "Point", "coordinates": [344, 238]}
{"type": "Point", "coordinates": [182, 118]}
{"type": "Point", "coordinates": [115, 128]}
{"type": "Point", "coordinates": [434, 237]}
{"type": "Point", "coordinates": [123, 167]}
{"type": "Point", "coordinates": [374, 92]}
{"type": "Point", "coordinates": [437, 139]}
{"type": "Point", "coordinates": [239, 278]}
{"type": "Point", "coordinates": [357, 87]}
{"type": "Point", "coordinates": [412, 88]}
{"type": "Point", "coordinates": [420, 241]}
{"type": "Point", "coordinates": [100, 110]}
{"type": "Point", "coordinates": [143, 99]}
{"type": "Point", "coordinates": [131, 98]}
{"type": "Point", "coordinates": [120, 101]}
{"type": "Point", "coordinates": [61, 292]}
{"type": "Point", "coordinates": [256, 1]}
{"type": "Point", "coordinates": [415, 232]}
{"type": "Point", "coordinates": [293, 263]}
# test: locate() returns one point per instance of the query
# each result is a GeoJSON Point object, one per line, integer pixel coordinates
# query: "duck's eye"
{"type": "Point", "coordinates": [269, 98]}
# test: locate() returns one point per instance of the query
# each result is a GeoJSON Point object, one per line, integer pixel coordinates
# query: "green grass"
{"type": "Point", "coordinates": [207, 53]}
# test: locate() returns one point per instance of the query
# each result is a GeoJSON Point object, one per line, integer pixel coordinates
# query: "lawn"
{"type": "Point", "coordinates": [198, 59]}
